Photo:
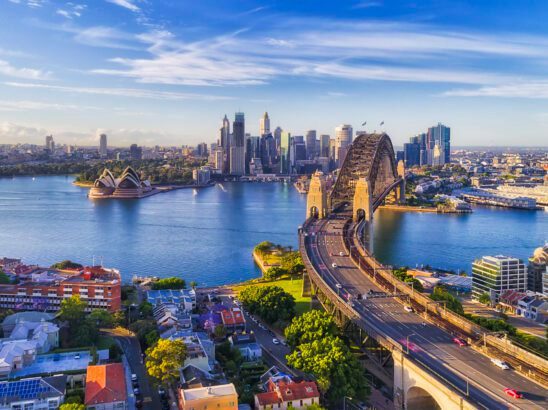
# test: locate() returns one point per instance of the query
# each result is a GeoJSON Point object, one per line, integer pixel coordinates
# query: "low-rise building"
{"type": "Point", "coordinates": [233, 319]}
{"type": "Point", "coordinates": [46, 288]}
{"type": "Point", "coordinates": [246, 344]}
{"type": "Point", "coordinates": [283, 393]}
{"type": "Point", "coordinates": [106, 387]}
{"type": "Point", "coordinates": [212, 397]}
{"type": "Point", "coordinates": [36, 393]}
{"type": "Point", "coordinates": [185, 299]}
{"type": "Point", "coordinates": [495, 274]}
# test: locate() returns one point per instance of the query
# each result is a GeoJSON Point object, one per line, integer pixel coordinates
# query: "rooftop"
{"type": "Point", "coordinates": [208, 392]}
{"type": "Point", "coordinates": [34, 388]}
{"type": "Point", "coordinates": [105, 384]}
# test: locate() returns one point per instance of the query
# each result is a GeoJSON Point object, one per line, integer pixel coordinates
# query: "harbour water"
{"type": "Point", "coordinates": [207, 235]}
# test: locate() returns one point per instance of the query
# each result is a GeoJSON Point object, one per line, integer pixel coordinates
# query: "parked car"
{"type": "Point", "coordinates": [136, 391]}
{"type": "Point", "coordinates": [133, 377]}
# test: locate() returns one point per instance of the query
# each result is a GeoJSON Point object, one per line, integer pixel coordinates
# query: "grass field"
{"type": "Point", "coordinates": [291, 286]}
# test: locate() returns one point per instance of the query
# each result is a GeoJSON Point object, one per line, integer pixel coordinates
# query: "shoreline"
{"type": "Point", "coordinates": [411, 208]}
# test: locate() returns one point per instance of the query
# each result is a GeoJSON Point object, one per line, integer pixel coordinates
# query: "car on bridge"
{"type": "Point", "coordinates": [513, 393]}
{"type": "Point", "coordinates": [499, 363]}
{"type": "Point", "coordinates": [333, 265]}
{"type": "Point", "coordinates": [338, 286]}
{"type": "Point", "coordinates": [408, 308]}
{"type": "Point", "coordinates": [460, 342]}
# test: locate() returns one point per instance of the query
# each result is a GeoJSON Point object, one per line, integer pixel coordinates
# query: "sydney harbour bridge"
{"type": "Point", "coordinates": [407, 337]}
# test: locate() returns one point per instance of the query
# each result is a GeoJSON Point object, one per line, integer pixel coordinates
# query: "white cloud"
{"type": "Point", "coordinates": [315, 48]}
{"type": "Point", "coordinates": [29, 73]}
{"type": "Point", "coordinates": [122, 92]}
{"type": "Point", "coordinates": [10, 132]}
{"type": "Point", "coordinates": [537, 90]}
{"type": "Point", "coordinates": [128, 4]}
{"type": "Point", "coordinates": [37, 105]}
{"type": "Point", "coordinates": [72, 10]}
{"type": "Point", "coordinates": [30, 3]}
{"type": "Point", "coordinates": [367, 4]}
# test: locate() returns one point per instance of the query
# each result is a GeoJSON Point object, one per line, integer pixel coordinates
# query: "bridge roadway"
{"type": "Point", "coordinates": [428, 345]}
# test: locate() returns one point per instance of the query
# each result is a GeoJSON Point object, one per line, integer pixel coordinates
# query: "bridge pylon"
{"type": "Point", "coordinates": [316, 200]}
{"type": "Point", "coordinates": [362, 207]}
{"type": "Point", "coordinates": [400, 190]}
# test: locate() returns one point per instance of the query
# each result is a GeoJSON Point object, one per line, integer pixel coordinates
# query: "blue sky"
{"type": "Point", "coordinates": [166, 71]}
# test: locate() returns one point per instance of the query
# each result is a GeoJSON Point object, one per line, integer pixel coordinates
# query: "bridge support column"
{"type": "Point", "coordinates": [400, 190]}
{"type": "Point", "coordinates": [316, 200]}
{"type": "Point", "coordinates": [363, 208]}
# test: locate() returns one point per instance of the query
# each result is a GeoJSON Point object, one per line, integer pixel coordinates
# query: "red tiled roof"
{"type": "Point", "coordinates": [265, 399]}
{"type": "Point", "coordinates": [232, 317]}
{"type": "Point", "coordinates": [298, 391]}
{"type": "Point", "coordinates": [105, 384]}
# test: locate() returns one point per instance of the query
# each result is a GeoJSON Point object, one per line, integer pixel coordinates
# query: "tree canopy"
{"type": "Point", "coordinates": [485, 298]}
{"type": "Point", "coordinates": [337, 371]}
{"type": "Point", "coordinates": [72, 406]}
{"type": "Point", "coordinates": [293, 263]}
{"type": "Point", "coordinates": [164, 359]}
{"type": "Point", "coordinates": [263, 247]}
{"type": "Point", "coordinates": [441, 294]}
{"type": "Point", "coordinates": [169, 283]}
{"type": "Point", "coordinates": [66, 264]}
{"type": "Point", "coordinates": [72, 309]}
{"type": "Point", "coordinates": [271, 303]}
{"type": "Point", "coordinates": [312, 325]}
{"type": "Point", "coordinates": [274, 272]}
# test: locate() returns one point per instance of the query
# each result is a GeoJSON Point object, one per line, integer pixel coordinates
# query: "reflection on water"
{"type": "Point", "coordinates": [209, 237]}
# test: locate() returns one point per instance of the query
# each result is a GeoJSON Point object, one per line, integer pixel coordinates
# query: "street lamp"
{"type": "Point", "coordinates": [344, 401]}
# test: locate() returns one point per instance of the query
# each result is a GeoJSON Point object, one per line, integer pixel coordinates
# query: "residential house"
{"type": "Point", "coordinates": [36, 393]}
{"type": "Point", "coordinates": [233, 319]}
{"type": "Point", "coordinates": [283, 393]}
{"type": "Point", "coordinates": [106, 387]}
{"type": "Point", "coordinates": [212, 397]}
{"type": "Point", "coordinates": [247, 346]}
{"type": "Point", "coordinates": [185, 299]}
{"type": "Point", "coordinates": [10, 321]}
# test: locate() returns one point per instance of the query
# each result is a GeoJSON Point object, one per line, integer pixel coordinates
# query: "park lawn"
{"type": "Point", "coordinates": [293, 287]}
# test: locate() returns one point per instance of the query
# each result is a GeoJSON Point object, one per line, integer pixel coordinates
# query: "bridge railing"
{"type": "Point", "coordinates": [384, 276]}
{"type": "Point", "coordinates": [385, 341]}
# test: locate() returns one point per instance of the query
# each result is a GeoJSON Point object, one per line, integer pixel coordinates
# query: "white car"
{"type": "Point", "coordinates": [341, 254]}
{"type": "Point", "coordinates": [338, 286]}
{"type": "Point", "coordinates": [133, 377]}
{"type": "Point", "coordinates": [333, 265]}
{"type": "Point", "coordinates": [408, 309]}
{"type": "Point", "coordinates": [275, 341]}
{"type": "Point", "coordinates": [499, 363]}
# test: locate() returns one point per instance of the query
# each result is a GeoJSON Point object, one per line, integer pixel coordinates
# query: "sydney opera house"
{"type": "Point", "coordinates": [127, 186]}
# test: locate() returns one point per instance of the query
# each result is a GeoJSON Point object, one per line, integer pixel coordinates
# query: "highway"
{"type": "Point", "coordinates": [424, 342]}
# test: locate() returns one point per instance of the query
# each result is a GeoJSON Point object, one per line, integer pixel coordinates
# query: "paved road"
{"type": "Point", "coordinates": [428, 343]}
{"type": "Point", "coordinates": [132, 349]}
{"type": "Point", "coordinates": [264, 338]}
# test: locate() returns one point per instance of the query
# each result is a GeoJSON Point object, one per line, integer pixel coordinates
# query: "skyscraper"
{"type": "Point", "coordinates": [135, 152]}
{"type": "Point", "coordinates": [311, 144]}
{"type": "Point", "coordinates": [495, 274]}
{"type": "Point", "coordinates": [237, 146]}
{"type": "Point", "coordinates": [411, 154]}
{"type": "Point", "coordinates": [324, 145]}
{"type": "Point", "coordinates": [103, 152]}
{"type": "Point", "coordinates": [224, 141]}
{"type": "Point", "coordinates": [439, 135]}
{"type": "Point", "coordinates": [50, 144]}
{"type": "Point", "coordinates": [343, 138]}
{"type": "Point", "coordinates": [264, 125]}
{"type": "Point", "coordinates": [285, 140]}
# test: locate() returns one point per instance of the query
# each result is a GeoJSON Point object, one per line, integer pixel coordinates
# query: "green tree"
{"type": "Point", "coordinates": [146, 308]}
{"type": "Point", "coordinates": [274, 272]}
{"type": "Point", "coordinates": [193, 284]}
{"type": "Point", "coordinates": [441, 294]}
{"type": "Point", "coordinates": [293, 263]}
{"type": "Point", "coordinates": [271, 303]}
{"type": "Point", "coordinates": [164, 360]}
{"type": "Point", "coordinates": [264, 247]}
{"type": "Point", "coordinates": [101, 318]}
{"type": "Point", "coordinates": [72, 309]}
{"type": "Point", "coordinates": [66, 264]}
{"type": "Point", "coordinates": [169, 283]}
{"type": "Point", "coordinates": [4, 279]}
{"type": "Point", "coordinates": [72, 406]}
{"type": "Point", "coordinates": [337, 371]}
{"type": "Point", "coordinates": [312, 325]}
{"type": "Point", "coordinates": [485, 298]}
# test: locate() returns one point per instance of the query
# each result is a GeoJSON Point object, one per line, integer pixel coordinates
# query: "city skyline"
{"type": "Point", "coordinates": [163, 74]}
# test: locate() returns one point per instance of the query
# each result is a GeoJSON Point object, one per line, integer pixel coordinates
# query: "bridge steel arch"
{"type": "Point", "coordinates": [371, 156]}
